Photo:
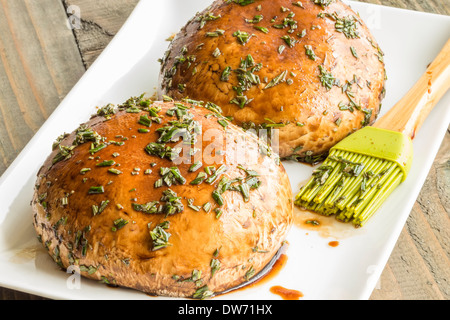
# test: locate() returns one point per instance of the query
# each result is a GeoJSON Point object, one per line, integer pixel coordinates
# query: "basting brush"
{"type": "Point", "coordinates": [366, 167]}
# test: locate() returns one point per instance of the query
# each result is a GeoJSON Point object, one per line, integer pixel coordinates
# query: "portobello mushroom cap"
{"type": "Point", "coordinates": [311, 69]}
{"type": "Point", "coordinates": [124, 199]}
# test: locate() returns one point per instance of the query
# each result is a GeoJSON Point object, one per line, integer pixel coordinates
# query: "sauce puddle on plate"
{"type": "Point", "coordinates": [286, 294]}
{"type": "Point", "coordinates": [333, 244]}
{"type": "Point", "coordinates": [326, 227]}
{"type": "Point", "coordinates": [270, 273]}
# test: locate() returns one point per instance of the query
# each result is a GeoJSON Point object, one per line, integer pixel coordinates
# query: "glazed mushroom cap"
{"type": "Point", "coordinates": [125, 199]}
{"type": "Point", "coordinates": [311, 69]}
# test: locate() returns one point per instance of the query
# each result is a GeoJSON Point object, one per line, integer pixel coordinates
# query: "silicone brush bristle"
{"type": "Point", "coordinates": [351, 186]}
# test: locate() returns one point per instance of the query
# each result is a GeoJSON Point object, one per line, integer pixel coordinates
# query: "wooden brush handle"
{"type": "Point", "coordinates": [408, 115]}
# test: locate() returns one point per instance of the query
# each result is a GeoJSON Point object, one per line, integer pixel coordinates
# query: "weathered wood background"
{"type": "Point", "coordinates": [41, 60]}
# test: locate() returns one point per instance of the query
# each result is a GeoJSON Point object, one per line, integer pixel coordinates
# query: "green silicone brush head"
{"type": "Point", "coordinates": [358, 176]}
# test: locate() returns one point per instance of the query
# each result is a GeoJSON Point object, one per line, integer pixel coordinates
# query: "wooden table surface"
{"type": "Point", "coordinates": [41, 59]}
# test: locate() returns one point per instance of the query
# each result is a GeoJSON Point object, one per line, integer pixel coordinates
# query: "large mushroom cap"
{"type": "Point", "coordinates": [311, 69]}
{"type": "Point", "coordinates": [123, 199]}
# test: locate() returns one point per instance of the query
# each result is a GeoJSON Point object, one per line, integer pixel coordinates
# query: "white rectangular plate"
{"type": "Point", "coordinates": [129, 67]}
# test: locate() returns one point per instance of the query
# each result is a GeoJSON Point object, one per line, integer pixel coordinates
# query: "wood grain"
{"type": "Point", "coordinates": [41, 59]}
{"type": "Point", "coordinates": [433, 6]}
{"type": "Point", "coordinates": [100, 21]}
{"type": "Point", "coordinates": [39, 64]}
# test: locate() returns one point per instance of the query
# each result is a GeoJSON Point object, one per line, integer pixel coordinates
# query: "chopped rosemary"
{"type": "Point", "coordinates": [98, 148]}
{"type": "Point", "coordinates": [354, 53]}
{"type": "Point", "coordinates": [88, 269]}
{"type": "Point", "coordinates": [223, 122]}
{"type": "Point", "coordinates": [85, 134]}
{"type": "Point", "coordinates": [218, 32]}
{"type": "Point", "coordinates": [367, 116]}
{"type": "Point", "coordinates": [291, 42]}
{"type": "Point", "coordinates": [257, 250]}
{"type": "Point", "coordinates": [215, 266]}
{"type": "Point", "coordinates": [107, 111]}
{"type": "Point", "coordinates": [115, 171]}
{"type": "Point", "coordinates": [63, 154]}
{"type": "Point", "coordinates": [119, 224]}
{"type": "Point", "coordinates": [207, 207]}
{"type": "Point", "coordinates": [96, 210]}
{"type": "Point", "coordinates": [96, 190]}
{"type": "Point", "coordinates": [145, 121]}
{"type": "Point", "coordinates": [256, 19]}
{"type": "Point", "coordinates": [262, 29]}
{"type": "Point", "coordinates": [250, 273]}
{"type": "Point", "coordinates": [160, 236]}
{"type": "Point", "coordinates": [323, 3]}
{"type": "Point", "coordinates": [203, 19]}
{"type": "Point", "coordinates": [326, 78]}
{"type": "Point", "coordinates": [218, 198]}
{"type": "Point", "coordinates": [245, 190]}
{"type": "Point", "coordinates": [204, 292]}
{"type": "Point", "coordinates": [313, 222]}
{"type": "Point", "coordinates": [347, 26]}
{"type": "Point", "coordinates": [246, 78]}
{"type": "Point", "coordinates": [200, 178]}
{"type": "Point", "coordinates": [106, 163]}
{"type": "Point", "coordinates": [172, 204]}
{"type": "Point", "coordinates": [310, 52]}
{"type": "Point", "coordinates": [162, 151]}
{"type": "Point", "coordinates": [243, 2]}
{"type": "Point", "coordinates": [242, 36]}
{"type": "Point", "coordinates": [277, 80]}
{"type": "Point", "coordinates": [148, 208]}
{"type": "Point", "coordinates": [59, 140]}
{"type": "Point", "coordinates": [85, 170]}
{"type": "Point", "coordinates": [210, 170]}
{"type": "Point", "coordinates": [64, 201]}
{"type": "Point", "coordinates": [226, 74]}
{"type": "Point", "coordinates": [170, 176]}
{"type": "Point", "coordinates": [192, 206]}
{"type": "Point", "coordinates": [195, 166]}
{"type": "Point", "coordinates": [216, 53]}
{"type": "Point", "coordinates": [222, 169]}
{"type": "Point", "coordinates": [287, 22]}
{"type": "Point", "coordinates": [218, 212]}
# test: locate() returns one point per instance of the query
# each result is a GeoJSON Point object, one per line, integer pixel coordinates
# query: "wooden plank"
{"type": "Point", "coordinates": [387, 288]}
{"type": "Point", "coordinates": [7, 294]}
{"type": "Point", "coordinates": [415, 279]}
{"type": "Point", "coordinates": [100, 21]}
{"type": "Point", "coordinates": [434, 6]}
{"type": "Point", "coordinates": [39, 64]}
{"type": "Point", "coordinates": [419, 264]}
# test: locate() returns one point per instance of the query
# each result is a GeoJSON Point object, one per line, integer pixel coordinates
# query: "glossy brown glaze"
{"type": "Point", "coordinates": [311, 117]}
{"type": "Point", "coordinates": [244, 237]}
